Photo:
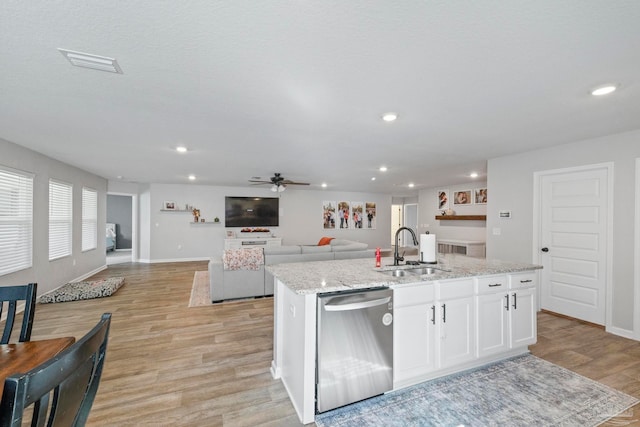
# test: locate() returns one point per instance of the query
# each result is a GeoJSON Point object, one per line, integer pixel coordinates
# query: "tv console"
{"type": "Point", "coordinates": [252, 242]}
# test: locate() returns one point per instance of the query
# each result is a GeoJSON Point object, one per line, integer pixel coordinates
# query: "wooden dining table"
{"type": "Point", "coordinates": [21, 357]}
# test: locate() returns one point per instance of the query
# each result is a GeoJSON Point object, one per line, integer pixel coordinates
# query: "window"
{"type": "Point", "coordinates": [89, 219]}
{"type": "Point", "coordinates": [60, 219]}
{"type": "Point", "coordinates": [16, 221]}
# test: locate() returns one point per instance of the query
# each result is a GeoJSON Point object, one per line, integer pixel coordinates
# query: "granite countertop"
{"type": "Point", "coordinates": [343, 275]}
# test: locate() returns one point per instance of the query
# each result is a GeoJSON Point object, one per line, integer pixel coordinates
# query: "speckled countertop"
{"type": "Point", "coordinates": [342, 275]}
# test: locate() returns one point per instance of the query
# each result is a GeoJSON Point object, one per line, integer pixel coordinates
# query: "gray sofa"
{"type": "Point", "coordinates": [233, 284]}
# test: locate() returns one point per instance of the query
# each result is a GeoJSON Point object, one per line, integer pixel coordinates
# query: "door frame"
{"type": "Point", "coordinates": [537, 229]}
{"type": "Point", "coordinates": [636, 257]}
{"type": "Point", "coordinates": [134, 222]}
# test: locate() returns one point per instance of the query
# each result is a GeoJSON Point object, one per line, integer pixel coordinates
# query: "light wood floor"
{"type": "Point", "coordinates": [169, 365]}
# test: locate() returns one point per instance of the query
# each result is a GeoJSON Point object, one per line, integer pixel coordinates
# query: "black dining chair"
{"type": "Point", "coordinates": [62, 389]}
{"type": "Point", "coordinates": [10, 296]}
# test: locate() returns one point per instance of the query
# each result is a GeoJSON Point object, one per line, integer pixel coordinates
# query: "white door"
{"type": "Point", "coordinates": [574, 215]}
{"type": "Point", "coordinates": [396, 222]}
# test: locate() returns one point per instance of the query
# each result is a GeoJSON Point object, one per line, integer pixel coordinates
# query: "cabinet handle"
{"type": "Point", "coordinates": [444, 313]}
{"type": "Point", "coordinates": [493, 285]}
{"type": "Point", "coordinates": [433, 314]}
{"type": "Point", "coordinates": [526, 281]}
{"type": "Point", "coordinates": [515, 302]}
{"type": "Point", "coordinates": [507, 306]}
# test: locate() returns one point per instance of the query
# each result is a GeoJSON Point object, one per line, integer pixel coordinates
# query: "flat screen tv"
{"type": "Point", "coordinates": [251, 211]}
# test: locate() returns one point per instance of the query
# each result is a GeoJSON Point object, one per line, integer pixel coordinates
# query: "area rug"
{"type": "Point", "coordinates": [76, 291]}
{"type": "Point", "coordinates": [200, 290]}
{"type": "Point", "coordinates": [522, 391]}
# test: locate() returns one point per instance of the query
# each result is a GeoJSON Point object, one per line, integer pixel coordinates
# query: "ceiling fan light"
{"type": "Point", "coordinates": [603, 90]}
{"type": "Point", "coordinates": [281, 188]}
{"type": "Point", "coordinates": [274, 188]}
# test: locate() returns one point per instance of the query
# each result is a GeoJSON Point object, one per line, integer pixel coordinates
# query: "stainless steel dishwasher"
{"type": "Point", "coordinates": [354, 347]}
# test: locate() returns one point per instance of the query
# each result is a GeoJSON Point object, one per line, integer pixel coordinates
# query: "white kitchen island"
{"type": "Point", "coordinates": [468, 313]}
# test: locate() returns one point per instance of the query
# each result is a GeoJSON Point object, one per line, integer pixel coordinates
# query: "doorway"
{"type": "Point", "coordinates": [405, 215]}
{"type": "Point", "coordinates": [121, 217]}
{"type": "Point", "coordinates": [411, 221]}
{"type": "Point", "coordinates": [572, 241]}
{"type": "Point", "coordinates": [397, 216]}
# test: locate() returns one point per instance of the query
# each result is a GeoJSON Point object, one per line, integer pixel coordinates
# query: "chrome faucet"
{"type": "Point", "coordinates": [396, 256]}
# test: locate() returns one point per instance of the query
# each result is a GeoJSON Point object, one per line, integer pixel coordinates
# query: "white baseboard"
{"type": "Point", "coordinates": [625, 333]}
{"type": "Point", "coordinates": [157, 261]}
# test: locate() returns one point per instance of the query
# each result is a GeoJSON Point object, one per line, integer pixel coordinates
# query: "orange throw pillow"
{"type": "Point", "coordinates": [325, 241]}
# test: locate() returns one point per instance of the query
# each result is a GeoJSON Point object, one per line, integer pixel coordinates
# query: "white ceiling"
{"type": "Point", "coordinates": [298, 87]}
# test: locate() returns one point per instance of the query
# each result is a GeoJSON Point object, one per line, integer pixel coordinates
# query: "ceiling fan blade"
{"type": "Point", "coordinates": [288, 182]}
{"type": "Point", "coordinates": [260, 182]}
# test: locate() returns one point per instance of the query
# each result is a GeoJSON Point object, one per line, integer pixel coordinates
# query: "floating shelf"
{"type": "Point", "coordinates": [174, 210]}
{"type": "Point", "coordinates": [462, 217]}
{"type": "Point", "coordinates": [205, 223]}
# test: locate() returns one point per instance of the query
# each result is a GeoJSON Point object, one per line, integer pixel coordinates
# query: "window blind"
{"type": "Point", "coordinates": [16, 221]}
{"type": "Point", "coordinates": [60, 219]}
{"type": "Point", "coordinates": [89, 219]}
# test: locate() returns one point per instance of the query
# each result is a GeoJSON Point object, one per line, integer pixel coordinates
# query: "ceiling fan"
{"type": "Point", "coordinates": [278, 183]}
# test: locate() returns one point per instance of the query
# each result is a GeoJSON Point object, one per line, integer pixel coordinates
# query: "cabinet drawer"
{"type": "Point", "coordinates": [526, 279]}
{"type": "Point", "coordinates": [487, 284]}
{"type": "Point", "coordinates": [413, 295]}
{"type": "Point", "coordinates": [455, 288]}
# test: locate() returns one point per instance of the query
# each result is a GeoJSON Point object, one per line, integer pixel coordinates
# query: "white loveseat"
{"type": "Point", "coordinates": [233, 284]}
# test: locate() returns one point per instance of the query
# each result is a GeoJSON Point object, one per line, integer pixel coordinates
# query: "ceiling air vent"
{"type": "Point", "coordinates": [95, 62]}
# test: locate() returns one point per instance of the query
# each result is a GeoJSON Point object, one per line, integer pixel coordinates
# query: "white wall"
{"type": "Point", "coordinates": [459, 230]}
{"type": "Point", "coordinates": [173, 237]}
{"type": "Point", "coordinates": [511, 188]}
{"type": "Point", "coordinates": [51, 274]}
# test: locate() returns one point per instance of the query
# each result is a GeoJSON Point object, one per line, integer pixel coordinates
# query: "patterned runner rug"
{"type": "Point", "coordinates": [200, 290]}
{"type": "Point", "coordinates": [522, 391]}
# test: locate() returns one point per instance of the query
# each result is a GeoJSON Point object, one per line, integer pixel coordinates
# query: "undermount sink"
{"type": "Point", "coordinates": [395, 273]}
{"type": "Point", "coordinates": [425, 270]}
{"type": "Point", "coordinates": [419, 271]}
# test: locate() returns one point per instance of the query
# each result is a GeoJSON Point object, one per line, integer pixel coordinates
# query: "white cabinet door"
{"type": "Point", "coordinates": [414, 343]}
{"type": "Point", "coordinates": [493, 324]}
{"type": "Point", "coordinates": [522, 316]}
{"type": "Point", "coordinates": [456, 332]}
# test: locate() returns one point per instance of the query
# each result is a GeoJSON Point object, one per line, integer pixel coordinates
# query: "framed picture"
{"type": "Point", "coordinates": [357, 214]}
{"type": "Point", "coordinates": [370, 214]}
{"type": "Point", "coordinates": [462, 197]}
{"type": "Point", "coordinates": [480, 196]}
{"type": "Point", "coordinates": [344, 214]}
{"type": "Point", "coordinates": [329, 215]}
{"type": "Point", "coordinates": [169, 206]}
{"type": "Point", "coordinates": [443, 199]}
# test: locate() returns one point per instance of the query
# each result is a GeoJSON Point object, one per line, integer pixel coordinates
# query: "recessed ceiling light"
{"type": "Point", "coordinates": [383, 169]}
{"type": "Point", "coordinates": [604, 90]}
{"type": "Point", "coordinates": [389, 117]}
{"type": "Point", "coordinates": [181, 149]}
{"type": "Point", "coordinates": [373, 178]}
{"type": "Point", "coordinates": [411, 185]}
{"type": "Point", "coordinates": [473, 174]}
{"type": "Point", "coordinates": [88, 60]}
{"type": "Point", "coordinates": [324, 185]}
{"type": "Point", "coordinates": [192, 177]}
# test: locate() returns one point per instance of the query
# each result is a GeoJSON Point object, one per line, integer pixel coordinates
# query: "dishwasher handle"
{"type": "Point", "coordinates": [354, 303]}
